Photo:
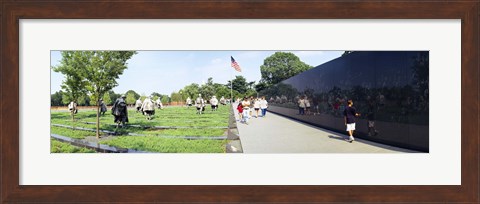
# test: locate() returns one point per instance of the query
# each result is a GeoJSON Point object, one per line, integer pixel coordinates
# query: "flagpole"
{"type": "Point", "coordinates": [231, 86]}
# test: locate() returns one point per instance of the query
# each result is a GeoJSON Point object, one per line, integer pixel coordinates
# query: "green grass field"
{"type": "Point", "coordinates": [62, 147]}
{"type": "Point", "coordinates": [209, 124]}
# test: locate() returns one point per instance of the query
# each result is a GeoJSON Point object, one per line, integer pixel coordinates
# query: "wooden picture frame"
{"type": "Point", "coordinates": [12, 11]}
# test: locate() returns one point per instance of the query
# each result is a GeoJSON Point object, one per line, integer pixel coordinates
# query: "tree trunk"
{"type": "Point", "coordinates": [98, 119]}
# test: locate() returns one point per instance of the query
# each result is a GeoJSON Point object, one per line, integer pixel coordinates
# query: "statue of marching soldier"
{"type": "Point", "coordinates": [119, 111]}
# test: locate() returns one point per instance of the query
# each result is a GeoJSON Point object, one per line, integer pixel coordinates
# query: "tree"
{"type": "Point", "coordinates": [239, 84]}
{"type": "Point", "coordinates": [107, 100]}
{"type": "Point", "coordinates": [133, 95]}
{"type": "Point", "coordinates": [221, 90]}
{"type": "Point", "coordinates": [191, 90]}
{"type": "Point", "coordinates": [113, 96]}
{"type": "Point", "coordinates": [281, 66]}
{"type": "Point", "coordinates": [56, 98]}
{"type": "Point", "coordinates": [74, 84]}
{"type": "Point", "coordinates": [260, 86]}
{"type": "Point", "coordinates": [176, 96]}
{"type": "Point", "coordinates": [165, 99]}
{"type": "Point", "coordinates": [99, 71]}
{"type": "Point", "coordinates": [207, 90]}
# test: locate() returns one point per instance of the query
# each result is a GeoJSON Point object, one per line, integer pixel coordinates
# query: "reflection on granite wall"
{"type": "Point", "coordinates": [389, 88]}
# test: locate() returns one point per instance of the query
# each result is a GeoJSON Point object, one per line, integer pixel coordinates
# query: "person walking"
{"type": "Point", "coordinates": [263, 106]}
{"type": "Point", "coordinates": [256, 106]}
{"type": "Point", "coordinates": [246, 110]}
{"type": "Point", "coordinates": [240, 110]}
{"type": "Point", "coordinates": [349, 115]}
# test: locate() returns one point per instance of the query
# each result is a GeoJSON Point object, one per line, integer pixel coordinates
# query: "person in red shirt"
{"type": "Point", "coordinates": [240, 110]}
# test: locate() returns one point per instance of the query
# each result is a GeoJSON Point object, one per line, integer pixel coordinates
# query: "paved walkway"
{"type": "Point", "coordinates": [278, 134]}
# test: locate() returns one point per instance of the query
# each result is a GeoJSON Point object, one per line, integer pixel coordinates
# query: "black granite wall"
{"type": "Point", "coordinates": [387, 87]}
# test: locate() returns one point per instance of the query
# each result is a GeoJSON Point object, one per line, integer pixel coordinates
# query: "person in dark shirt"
{"type": "Point", "coordinates": [349, 114]}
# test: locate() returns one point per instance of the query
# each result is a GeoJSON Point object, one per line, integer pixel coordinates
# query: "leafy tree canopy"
{"type": "Point", "coordinates": [281, 66]}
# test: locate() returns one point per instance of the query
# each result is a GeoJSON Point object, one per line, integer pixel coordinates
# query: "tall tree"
{"type": "Point", "coordinates": [221, 90]}
{"type": "Point", "coordinates": [133, 95]}
{"type": "Point", "coordinates": [191, 90]}
{"type": "Point", "coordinates": [107, 99]}
{"type": "Point", "coordinates": [239, 84]}
{"type": "Point", "coordinates": [74, 84]}
{"type": "Point", "coordinates": [207, 90]}
{"type": "Point", "coordinates": [281, 66]}
{"type": "Point", "coordinates": [130, 98]}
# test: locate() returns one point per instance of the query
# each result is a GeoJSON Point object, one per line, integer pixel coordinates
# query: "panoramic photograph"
{"type": "Point", "coordinates": [289, 101]}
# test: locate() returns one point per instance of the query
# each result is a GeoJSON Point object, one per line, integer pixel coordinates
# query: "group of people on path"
{"type": "Point", "coordinates": [248, 106]}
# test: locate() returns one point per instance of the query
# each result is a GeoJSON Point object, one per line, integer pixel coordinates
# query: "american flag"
{"type": "Point", "coordinates": [235, 65]}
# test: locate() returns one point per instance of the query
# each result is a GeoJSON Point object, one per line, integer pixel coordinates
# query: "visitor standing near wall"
{"type": "Point", "coordinates": [263, 106]}
{"type": "Point", "coordinates": [349, 115]}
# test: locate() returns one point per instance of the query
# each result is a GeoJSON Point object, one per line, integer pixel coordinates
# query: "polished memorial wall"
{"type": "Point", "coordinates": [388, 88]}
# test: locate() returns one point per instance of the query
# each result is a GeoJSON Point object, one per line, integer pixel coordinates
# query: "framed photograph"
{"type": "Point", "coordinates": [432, 45]}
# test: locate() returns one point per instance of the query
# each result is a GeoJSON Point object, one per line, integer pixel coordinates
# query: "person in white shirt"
{"type": "Point", "coordinates": [256, 106]}
{"type": "Point", "coordinates": [214, 103]}
{"type": "Point", "coordinates": [263, 106]}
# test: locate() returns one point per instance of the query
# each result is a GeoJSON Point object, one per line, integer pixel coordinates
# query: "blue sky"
{"type": "Point", "coordinates": [168, 71]}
